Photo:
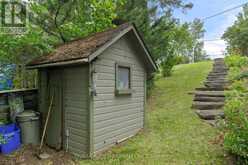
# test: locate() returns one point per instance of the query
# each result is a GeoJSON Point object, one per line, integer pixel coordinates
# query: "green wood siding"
{"type": "Point", "coordinates": [75, 108]}
{"type": "Point", "coordinates": [42, 91]}
{"type": "Point", "coordinates": [76, 113]}
{"type": "Point", "coordinates": [117, 117]}
{"type": "Point", "coordinates": [54, 127]}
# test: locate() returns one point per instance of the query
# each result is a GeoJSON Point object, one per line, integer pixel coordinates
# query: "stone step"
{"type": "Point", "coordinates": [214, 70]}
{"type": "Point", "coordinates": [212, 85]}
{"type": "Point", "coordinates": [217, 73]}
{"type": "Point", "coordinates": [209, 99]}
{"type": "Point", "coordinates": [218, 68]}
{"type": "Point", "coordinates": [210, 114]}
{"type": "Point", "coordinates": [218, 76]}
{"type": "Point", "coordinates": [222, 85]}
{"type": "Point", "coordinates": [209, 89]}
{"type": "Point", "coordinates": [211, 122]}
{"type": "Point", "coordinates": [207, 105]}
{"type": "Point", "coordinates": [216, 81]}
{"type": "Point", "coordinates": [210, 93]}
{"type": "Point", "coordinates": [215, 84]}
{"type": "Point", "coordinates": [220, 65]}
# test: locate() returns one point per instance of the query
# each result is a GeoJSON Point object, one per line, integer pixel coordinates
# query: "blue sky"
{"type": "Point", "coordinates": [216, 26]}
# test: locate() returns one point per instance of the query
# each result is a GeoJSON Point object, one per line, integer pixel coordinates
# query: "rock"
{"type": "Point", "coordinates": [210, 114]}
{"type": "Point", "coordinates": [210, 93]}
{"type": "Point", "coordinates": [209, 99]}
{"type": "Point", "coordinates": [209, 89]}
{"type": "Point", "coordinates": [207, 105]}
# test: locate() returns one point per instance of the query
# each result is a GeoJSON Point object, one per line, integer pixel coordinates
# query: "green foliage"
{"type": "Point", "coordinates": [53, 22]}
{"type": "Point", "coordinates": [237, 35]}
{"type": "Point", "coordinates": [67, 20]}
{"type": "Point", "coordinates": [167, 65]}
{"type": "Point", "coordinates": [236, 122]}
{"type": "Point", "coordinates": [2, 140]}
{"type": "Point", "coordinates": [242, 75]}
{"type": "Point", "coordinates": [236, 61]}
{"type": "Point", "coordinates": [236, 111]}
{"type": "Point", "coordinates": [165, 35]}
{"type": "Point", "coordinates": [237, 65]}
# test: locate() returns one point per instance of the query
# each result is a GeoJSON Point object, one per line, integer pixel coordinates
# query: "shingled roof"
{"type": "Point", "coordinates": [80, 48]}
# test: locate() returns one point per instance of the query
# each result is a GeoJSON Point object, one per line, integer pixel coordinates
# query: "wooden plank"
{"type": "Point", "coordinates": [117, 126]}
{"type": "Point", "coordinates": [106, 123]}
{"type": "Point", "coordinates": [118, 114]}
{"type": "Point", "coordinates": [114, 137]}
{"type": "Point", "coordinates": [18, 90]}
{"type": "Point", "coordinates": [110, 109]}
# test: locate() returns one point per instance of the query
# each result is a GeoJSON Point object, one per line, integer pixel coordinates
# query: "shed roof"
{"type": "Point", "coordinates": [80, 50]}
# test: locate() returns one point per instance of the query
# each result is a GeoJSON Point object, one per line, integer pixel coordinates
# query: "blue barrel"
{"type": "Point", "coordinates": [11, 138]}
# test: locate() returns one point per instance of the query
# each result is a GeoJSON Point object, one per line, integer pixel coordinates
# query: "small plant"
{"type": "Point", "coordinates": [2, 140]}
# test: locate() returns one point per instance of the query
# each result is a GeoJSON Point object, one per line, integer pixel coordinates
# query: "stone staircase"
{"type": "Point", "coordinates": [209, 100]}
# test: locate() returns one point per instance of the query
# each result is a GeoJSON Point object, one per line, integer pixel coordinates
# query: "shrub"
{"type": "Point", "coordinates": [236, 61]}
{"type": "Point", "coordinates": [167, 65]}
{"type": "Point", "coordinates": [236, 109]}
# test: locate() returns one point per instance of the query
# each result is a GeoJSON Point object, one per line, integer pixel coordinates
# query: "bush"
{"type": "Point", "coordinates": [236, 109]}
{"type": "Point", "coordinates": [150, 85]}
{"type": "Point", "coordinates": [236, 61]}
{"type": "Point", "coordinates": [168, 64]}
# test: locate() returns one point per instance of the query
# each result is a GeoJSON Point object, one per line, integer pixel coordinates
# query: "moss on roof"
{"type": "Point", "coordinates": [79, 48]}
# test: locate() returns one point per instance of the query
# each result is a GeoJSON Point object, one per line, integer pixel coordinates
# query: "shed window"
{"type": "Point", "coordinates": [123, 79]}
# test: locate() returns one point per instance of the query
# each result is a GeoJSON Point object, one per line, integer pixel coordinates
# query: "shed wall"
{"type": "Point", "coordinates": [117, 117]}
{"type": "Point", "coordinates": [76, 113]}
{"type": "Point", "coordinates": [75, 80]}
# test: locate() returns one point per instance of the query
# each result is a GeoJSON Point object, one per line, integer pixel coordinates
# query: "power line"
{"type": "Point", "coordinates": [211, 40]}
{"type": "Point", "coordinates": [225, 11]}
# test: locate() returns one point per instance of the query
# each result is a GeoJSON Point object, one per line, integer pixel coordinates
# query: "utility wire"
{"type": "Point", "coordinates": [223, 12]}
{"type": "Point", "coordinates": [211, 40]}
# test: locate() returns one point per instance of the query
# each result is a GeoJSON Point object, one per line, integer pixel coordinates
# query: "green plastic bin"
{"type": "Point", "coordinates": [29, 122]}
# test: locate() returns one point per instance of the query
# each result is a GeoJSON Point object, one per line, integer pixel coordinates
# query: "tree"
{"type": "Point", "coordinates": [197, 32]}
{"type": "Point", "coordinates": [53, 22]}
{"type": "Point", "coordinates": [67, 20]}
{"type": "Point", "coordinates": [164, 35]}
{"type": "Point", "coordinates": [236, 36]}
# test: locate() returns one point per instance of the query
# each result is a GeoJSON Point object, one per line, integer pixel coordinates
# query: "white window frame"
{"type": "Point", "coordinates": [123, 91]}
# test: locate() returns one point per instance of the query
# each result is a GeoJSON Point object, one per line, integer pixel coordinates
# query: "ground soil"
{"type": "Point", "coordinates": [26, 155]}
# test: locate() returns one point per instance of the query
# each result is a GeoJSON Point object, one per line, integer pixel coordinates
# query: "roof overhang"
{"type": "Point", "coordinates": [62, 63]}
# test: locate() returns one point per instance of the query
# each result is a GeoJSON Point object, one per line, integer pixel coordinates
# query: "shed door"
{"type": "Point", "coordinates": [75, 101]}
{"type": "Point", "coordinates": [54, 127]}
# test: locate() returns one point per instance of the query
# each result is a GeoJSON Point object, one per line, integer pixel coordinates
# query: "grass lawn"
{"type": "Point", "coordinates": [174, 133]}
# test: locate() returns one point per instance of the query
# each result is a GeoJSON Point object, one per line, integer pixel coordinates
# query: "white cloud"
{"type": "Point", "coordinates": [215, 48]}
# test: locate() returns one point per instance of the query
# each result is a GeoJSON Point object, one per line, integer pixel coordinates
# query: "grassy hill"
{"type": "Point", "coordinates": [174, 133]}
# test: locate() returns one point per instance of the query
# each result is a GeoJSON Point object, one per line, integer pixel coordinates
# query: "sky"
{"type": "Point", "coordinates": [215, 27]}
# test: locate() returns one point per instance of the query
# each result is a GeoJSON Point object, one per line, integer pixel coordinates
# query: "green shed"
{"type": "Point", "coordinates": [99, 89]}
